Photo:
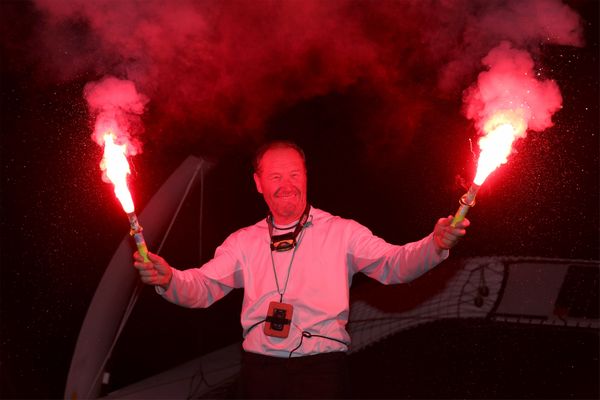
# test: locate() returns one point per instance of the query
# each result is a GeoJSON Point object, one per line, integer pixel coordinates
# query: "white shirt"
{"type": "Point", "coordinates": [329, 252]}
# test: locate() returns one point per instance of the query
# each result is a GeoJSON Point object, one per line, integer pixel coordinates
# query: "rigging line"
{"type": "Point", "coordinates": [201, 217]}
{"type": "Point", "coordinates": [200, 371]}
{"type": "Point", "coordinates": [139, 286]}
{"type": "Point", "coordinates": [185, 194]}
{"type": "Point", "coordinates": [464, 287]}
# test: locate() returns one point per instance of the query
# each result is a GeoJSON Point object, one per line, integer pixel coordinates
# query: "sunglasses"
{"type": "Point", "coordinates": [283, 242]}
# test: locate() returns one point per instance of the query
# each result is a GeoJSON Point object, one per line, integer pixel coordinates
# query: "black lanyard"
{"type": "Point", "coordinates": [286, 242]}
{"type": "Point", "coordinates": [281, 293]}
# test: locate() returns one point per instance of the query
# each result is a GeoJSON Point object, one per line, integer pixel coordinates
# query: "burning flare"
{"type": "Point", "coordinates": [500, 132]}
{"type": "Point", "coordinates": [117, 106]}
{"type": "Point", "coordinates": [507, 100]}
{"type": "Point", "coordinates": [116, 168]}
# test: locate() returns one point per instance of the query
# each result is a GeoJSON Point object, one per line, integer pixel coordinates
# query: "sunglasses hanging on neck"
{"type": "Point", "coordinates": [287, 241]}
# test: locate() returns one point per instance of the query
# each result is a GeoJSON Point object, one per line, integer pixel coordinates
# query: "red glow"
{"type": "Point", "coordinates": [116, 106]}
{"type": "Point", "coordinates": [502, 129]}
{"type": "Point", "coordinates": [507, 101]}
{"type": "Point", "coordinates": [116, 168]}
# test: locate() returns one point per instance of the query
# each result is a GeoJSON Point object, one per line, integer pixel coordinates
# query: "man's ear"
{"type": "Point", "coordinates": [257, 182]}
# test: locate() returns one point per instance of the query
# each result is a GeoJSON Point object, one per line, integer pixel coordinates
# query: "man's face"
{"type": "Point", "coordinates": [281, 179]}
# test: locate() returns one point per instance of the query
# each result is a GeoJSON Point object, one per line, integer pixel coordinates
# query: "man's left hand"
{"type": "Point", "coordinates": [446, 236]}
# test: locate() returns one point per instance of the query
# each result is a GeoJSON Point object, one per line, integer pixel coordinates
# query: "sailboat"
{"type": "Point", "coordinates": [504, 290]}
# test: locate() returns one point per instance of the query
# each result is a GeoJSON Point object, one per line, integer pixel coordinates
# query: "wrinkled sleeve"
{"type": "Point", "coordinates": [390, 263]}
{"type": "Point", "coordinates": [201, 287]}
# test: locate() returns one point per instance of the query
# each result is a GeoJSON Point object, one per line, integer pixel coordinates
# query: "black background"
{"type": "Point", "coordinates": [61, 223]}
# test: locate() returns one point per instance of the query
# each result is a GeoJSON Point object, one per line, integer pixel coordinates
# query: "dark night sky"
{"type": "Point", "coordinates": [61, 223]}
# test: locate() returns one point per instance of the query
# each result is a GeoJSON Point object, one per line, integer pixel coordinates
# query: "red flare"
{"type": "Point", "coordinates": [500, 132]}
{"type": "Point", "coordinates": [116, 168]}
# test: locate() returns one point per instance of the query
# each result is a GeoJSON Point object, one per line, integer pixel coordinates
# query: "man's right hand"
{"type": "Point", "coordinates": [154, 272]}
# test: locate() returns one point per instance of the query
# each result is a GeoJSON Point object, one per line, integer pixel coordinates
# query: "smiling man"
{"type": "Point", "coordinates": [296, 268]}
{"type": "Point", "coordinates": [280, 176]}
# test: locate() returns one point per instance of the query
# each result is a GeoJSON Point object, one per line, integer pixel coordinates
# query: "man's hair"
{"type": "Point", "coordinates": [275, 144]}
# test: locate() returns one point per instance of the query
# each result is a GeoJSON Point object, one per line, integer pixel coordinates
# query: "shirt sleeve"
{"type": "Point", "coordinates": [390, 263]}
{"type": "Point", "coordinates": [201, 287]}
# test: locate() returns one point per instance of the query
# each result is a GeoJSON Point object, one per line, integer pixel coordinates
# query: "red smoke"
{"type": "Point", "coordinates": [116, 106]}
{"type": "Point", "coordinates": [228, 66]}
{"type": "Point", "coordinates": [464, 31]}
{"type": "Point", "coordinates": [510, 83]}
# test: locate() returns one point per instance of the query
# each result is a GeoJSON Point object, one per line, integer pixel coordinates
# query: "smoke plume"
{"type": "Point", "coordinates": [510, 83]}
{"type": "Point", "coordinates": [228, 66]}
{"type": "Point", "coordinates": [116, 106]}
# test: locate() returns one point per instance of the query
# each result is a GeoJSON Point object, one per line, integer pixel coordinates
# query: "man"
{"type": "Point", "coordinates": [296, 269]}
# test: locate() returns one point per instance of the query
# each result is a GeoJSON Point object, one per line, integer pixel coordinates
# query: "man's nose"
{"type": "Point", "coordinates": [287, 184]}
